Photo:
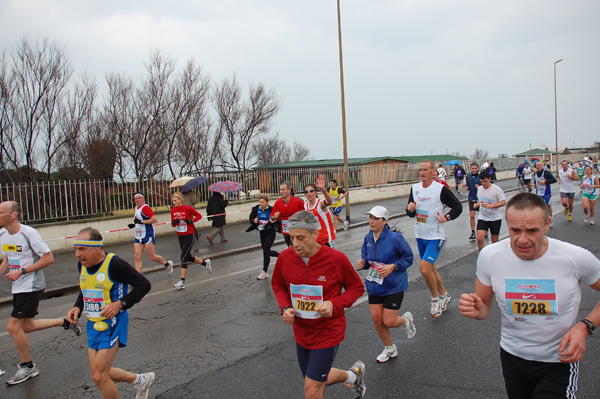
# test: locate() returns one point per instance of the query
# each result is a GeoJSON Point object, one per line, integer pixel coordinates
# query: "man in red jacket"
{"type": "Point", "coordinates": [308, 281]}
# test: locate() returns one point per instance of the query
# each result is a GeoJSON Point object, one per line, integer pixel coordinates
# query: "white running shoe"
{"type": "Point", "coordinates": [23, 374]}
{"type": "Point", "coordinates": [358, 368]}
{"type": "Point", "coordinates": [345, 225]}
{"type": "Point", "coordinates": [436, 307]}
{"type": "Point", "coordinates": [208, 266]}
{"type": "Point", "coordinates": [179, 285]}
{"type": "Point", "coordinates": [141, 388]}
{"type": "Point", "coordinates": [586, 219]}
{"type": "Point", "coordinates": [591, 221]}
{"type": "Point", "coordinates": [262, 275]}
{"type": "Point", "coordinates": [387, 354]}
{"type": "Point", "coordinates": [409, 327]}
{"type": "Point", "coordinates": [169, 267]}
{"type": "Point", "coordinates": [446, 299]}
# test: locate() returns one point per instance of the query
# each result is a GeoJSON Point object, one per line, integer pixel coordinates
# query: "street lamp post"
{"type": "Point", "coordinates": [346, 177]}
{"type": "Point", "coordinates": [555, 120]}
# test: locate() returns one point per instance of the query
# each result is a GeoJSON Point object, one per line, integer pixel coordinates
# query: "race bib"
{"type": "Point", "coordinates": [531, 300]}
{"type": "Point", "coordinates": [139, 232]}
{"type": "Point", "coordinates": [373, 274]}
{"type": "Point", "coordinates": [14, 264]}
{"type": "Point", "coordinates": [182, 228]}
{"type": "Point", "coordinates": [93, 301]}
{"type": "Point", "coordinates": [284, 226]}
{"type": "Point", "coordinates": [305, 299]}
{"type": "Point", "coordinates": [422, 216]}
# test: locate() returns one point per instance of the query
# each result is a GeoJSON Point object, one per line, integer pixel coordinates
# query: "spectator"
{"type": "Point", "coordinates": [216, 206]}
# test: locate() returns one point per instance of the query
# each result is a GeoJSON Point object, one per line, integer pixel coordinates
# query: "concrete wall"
{"type": "Point", "coordinates": [238, 212]}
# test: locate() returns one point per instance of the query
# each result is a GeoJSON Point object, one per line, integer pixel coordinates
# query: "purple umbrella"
{"type": "Point", "coordinates": [195, 182]}
{"type": "Point", "coordinates": [227, 185]}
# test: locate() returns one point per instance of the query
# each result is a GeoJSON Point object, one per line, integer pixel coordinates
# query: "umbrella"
{"type": "Point", "coordinates": [195, 182]}
{"type": "Point", "coordinates": [180, 181]}
{"type": "Point", "coordinates": [454, 162]}
{"type": "Point", "coordinates": [226, 185]}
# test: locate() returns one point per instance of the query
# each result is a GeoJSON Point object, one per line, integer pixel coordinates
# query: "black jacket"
{"type": "Point", "coordinates": [216, 205]}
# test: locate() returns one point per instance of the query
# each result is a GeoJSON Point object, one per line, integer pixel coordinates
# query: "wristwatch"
{"type": "Point", "coordinates": [448, 216]}
{"type": "Point", "coordinates": [284, 309]}
{"type": "Point", "coordinates": [590, 326]}
{"type": "Point", "coordinates": [23, 271]}
{"type": "Point", "coordinates": [123, 303]}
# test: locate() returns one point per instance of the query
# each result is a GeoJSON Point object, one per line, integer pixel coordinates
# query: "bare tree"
{"type": "Point", "coordinates": [299, 152]}
{"type": "Point", "coordinates": [243, 122]}
{"type": "Point", "coordinates": [480, 154]}
{"type": "Point", "coordinates": [273, 150]}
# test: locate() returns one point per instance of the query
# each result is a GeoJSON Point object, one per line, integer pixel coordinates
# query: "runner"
{"type": "Point", "coordinates": [105, 301]}
{"type": "Point", "coordinates": [473, 184]}
{"type": "Point", "coordinates": [537, 284]}
{"type": "Point", "coordinates": [143, 219]}
{"type": "Point", "coordinates": [543, 178]}
{"type": "Point", "coordinates": [459, 175]}
{"type": "Point", "coordinates": [491, 198]}
{"type": "Point", "coordinates": [285, 207]}
{"type": "Point", "coordinates": [337, 194]}
{"type": "Point", "coordinates": [320, 208]}
{"type": "Point", "coordinates": [589, 188]}
{"type": "Point", "coordinates": [566, 176]}
{"type": "Point", "coordinates": [182, 217]}
{"type": "Point", "coordinates": [25, 255]}
{"type": "Point", "coordinates": [313, 284]}
{"type": "Point", "coordinates": [527, 172]}
{"type": "Point", "coordinates": [260, 218]}
{"type": "Point", "coordinates": [519, 174]}
{"type": "Point", "coordinates": [441, 173]}
{"type": "Point", "coordinates": [426, 201]}
{"type": "Point", "coordinates": [387, 255]}
{"type": "Point", "coordinates": [580, 173]}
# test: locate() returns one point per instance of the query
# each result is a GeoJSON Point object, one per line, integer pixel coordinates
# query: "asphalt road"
{"type": "Point", "coordinates": [222, 337]}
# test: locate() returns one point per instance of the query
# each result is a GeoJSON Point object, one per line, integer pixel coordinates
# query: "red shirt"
{"type": "Point", "coordinates": [287, 209]}
{"type": "Point", "coordinates": [182, 213]}
{"type": "Point", "coordinates": [330, 269]}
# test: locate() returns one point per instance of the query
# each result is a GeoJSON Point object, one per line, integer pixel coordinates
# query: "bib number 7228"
{"type": "Point", "coordinates": [530, 307]}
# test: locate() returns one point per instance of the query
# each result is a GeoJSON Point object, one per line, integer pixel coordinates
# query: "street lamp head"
{"type": "Point", "coordinates": [556, 62]}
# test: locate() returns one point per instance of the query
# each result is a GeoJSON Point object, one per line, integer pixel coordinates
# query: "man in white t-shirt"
{"type": "Point", "coordinates": [527, 171]}
{"type": "Point", "coordinates": [490, 200]}
{"type": "Point", "coordinates": [25, 255]}
{"type": "Point", "coordinates": [566, 178]}
{"type": "Point", "coordinates": [537, 284]}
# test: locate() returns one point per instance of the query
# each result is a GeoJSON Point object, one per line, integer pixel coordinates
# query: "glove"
{"type": "Point", "coordinates": [189, 221]}
{"type": "Point", "coordinates": [131, 225]}
{"type": "Point", "coordinates": [175, 221]}
{"type": "Point", "coordinates": [137, 221]}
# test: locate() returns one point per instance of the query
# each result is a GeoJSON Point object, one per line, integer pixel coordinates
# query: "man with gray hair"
{"type": "Point", "coordinates": [313, 284]}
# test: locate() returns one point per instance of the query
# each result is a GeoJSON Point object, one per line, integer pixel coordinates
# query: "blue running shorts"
{"type": "Point", "coordinates": [429, 250]}
{"type": "Point", "coordinates": [316, 363]}
{"type": "Point", "coordinates": [117, 331]}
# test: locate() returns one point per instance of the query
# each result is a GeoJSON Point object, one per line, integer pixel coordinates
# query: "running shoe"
{"type": "Point", "coordinates": [23, 374]}
{"type": "Point", "coordinates": [387, 354]}
{"type": "Point", "coordinates": [566, 211]}
{"type": "Point", "coordinates": [169, 267]}
{"type": "Point", "coordinates": [569, 218]}
{"type": "Point", "coordinates": [436, 307]}
{"type": "Point", "coordinates": [409, 327]}
{"type": "Point", "coordinates": [262, 275]}
{"type": "Point", "coordinates": [446, 299]}
{"type": "Point", "coordinates": [142, 387]}
{"type": "Point", "coordinates": [473, 236]}
{"type": "Point", "coordinates": [586, 219]}
{"type": "Point", "coordinates": [591, 221]}
{"type": "Point", "coordinates": [207, 265]}
{"type": "Point", "coordinates": [345, 225]}
{"type": "Point", "coordinates": [358, 369]}
{"type": "Point", "coordinates": [76, 328]}
{"type": "Point", "coordinates": [179, 285]}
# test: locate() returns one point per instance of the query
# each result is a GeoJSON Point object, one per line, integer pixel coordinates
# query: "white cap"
{"type": "Point", "coordinates": [379, 212]}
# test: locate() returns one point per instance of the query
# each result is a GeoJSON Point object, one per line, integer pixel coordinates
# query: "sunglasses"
{"type": "Point", "coordinates": [309, 191]}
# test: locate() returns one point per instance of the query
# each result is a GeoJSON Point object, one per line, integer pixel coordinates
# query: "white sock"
{"type": "Point", "coordinates": [351, 378]}
{"type": "Point", "coordinates": [137, 378]}
{"type": "Point", "coordinates": [391, 348]}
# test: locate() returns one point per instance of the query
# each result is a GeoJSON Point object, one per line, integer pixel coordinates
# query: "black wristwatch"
{"type": "Point", "coordinates": [590, 326]}
{"type": "Point", "coordinates": [123, 303]}
{"type": "Point", "coordinates": [23, 271]}
{"type": "Point", "coordinates": [285, 308]}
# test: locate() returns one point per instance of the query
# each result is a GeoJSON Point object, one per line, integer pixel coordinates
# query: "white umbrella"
{"type": "Point", "coordinates": [180, 181]}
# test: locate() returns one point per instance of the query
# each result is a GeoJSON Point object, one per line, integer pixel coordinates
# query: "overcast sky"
{"type": "Point", "coordinates": [421, 76]}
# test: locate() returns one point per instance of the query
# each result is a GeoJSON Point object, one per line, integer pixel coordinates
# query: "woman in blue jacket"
{"type": "Point", "coordinates": [387, 255]}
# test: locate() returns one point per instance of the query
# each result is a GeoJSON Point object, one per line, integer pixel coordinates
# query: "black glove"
{"type": "Point", "coordinates": [131, 225]}
{"type": "Point", "coordinates": [137, 221]}
{"type": "Point", "coordinates": [175, 221]}
{"type": "Point", "coordinates": [189, 221]}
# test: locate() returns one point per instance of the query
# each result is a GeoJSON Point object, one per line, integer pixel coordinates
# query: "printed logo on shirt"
{"type": "Point", "coordinates": [321, 278]}
{"type": "Point", "coordinates": [12, 248]}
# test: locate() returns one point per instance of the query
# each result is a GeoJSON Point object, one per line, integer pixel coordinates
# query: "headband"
{"type": "Point", "coordinates": [87, 243]}
{"type": "Point", "coordinates": [303, 225]}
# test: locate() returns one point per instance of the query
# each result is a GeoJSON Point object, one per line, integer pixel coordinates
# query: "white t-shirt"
{"type": "Point", "coordinates": [527, 173]}
{"type": "Point", "coordinates": [491, 195]}
{"type": "Point", "coordinates": [539, 299]}
{"type": "Point", "coordinates": [18, 250]}
{"type": "Point", "coordinates": [429, 205]}
{"type": "Point", "coordinates": [441, 173]}
{"type": "Point", "coordinates": [566, 183]}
